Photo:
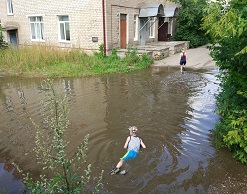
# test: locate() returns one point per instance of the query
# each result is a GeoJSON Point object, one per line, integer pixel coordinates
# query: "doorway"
{"type": "Point", "coordinates": [13, 38]}
{"type": "Point", "coordinates": [123, 30]}
{"type": "Point", "coordinates": [162, 30]}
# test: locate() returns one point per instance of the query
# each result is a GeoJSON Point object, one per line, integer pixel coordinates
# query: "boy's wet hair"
{"type": "Point", "coordinates": [133, 129]}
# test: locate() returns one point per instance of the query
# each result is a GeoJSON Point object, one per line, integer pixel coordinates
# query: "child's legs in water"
{"type": "Point", "coordinates": [129, 155]}
{"type": "Point", "coordinates": [120, 164]}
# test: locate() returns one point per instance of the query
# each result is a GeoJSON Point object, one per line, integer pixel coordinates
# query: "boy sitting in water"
{"type": "Point", "coordinates": [133, 143]}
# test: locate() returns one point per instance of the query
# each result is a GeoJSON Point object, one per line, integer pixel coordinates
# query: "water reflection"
{"type": "Point", "coordinates": [174, 112]}
{"type": "Point", "coordinates": [8, 183]}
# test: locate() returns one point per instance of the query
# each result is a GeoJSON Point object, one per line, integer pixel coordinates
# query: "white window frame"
{"type": "Point", "coordinates": [151, 27]}
{"type": "Point", "coordinates": [36, 28]}
{"type": "Point", "coordinates": [63, 24]}
{"type": "Point", "coordinates": [9, 7]}
{"type": "Point", "coordinates": [136, 24]}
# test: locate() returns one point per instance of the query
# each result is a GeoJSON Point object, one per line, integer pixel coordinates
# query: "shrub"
{"type": "Point", "coordinates": [66, 173]}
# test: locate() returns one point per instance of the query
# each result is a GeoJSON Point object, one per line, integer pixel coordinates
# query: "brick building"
{"type": "Point", "coordinates": [82, 24]}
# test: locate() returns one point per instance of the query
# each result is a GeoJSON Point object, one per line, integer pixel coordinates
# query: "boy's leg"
{"type": "Point", "coordinates": [120, 164]}
{"type": "Point", "coordinates": [114, 171]}
{"type": "Point", "coordinates": [117, 168]}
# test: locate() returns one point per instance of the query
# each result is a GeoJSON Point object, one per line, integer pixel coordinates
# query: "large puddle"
{"type": "Point", "coordinates": [174, 113]}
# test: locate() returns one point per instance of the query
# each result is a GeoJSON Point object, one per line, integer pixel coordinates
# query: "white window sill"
{"type": "Point", "coordinates": [63, 41]}
{"type": "Point", "coordinates": [10, 14]}
{"type": "Point", "coordinates": [151, 37]}
{"type": "Point", "coordinates": [37, 40]}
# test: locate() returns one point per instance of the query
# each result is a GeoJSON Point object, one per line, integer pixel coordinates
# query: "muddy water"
{"type": "Point", "coordinates": [174, 114]}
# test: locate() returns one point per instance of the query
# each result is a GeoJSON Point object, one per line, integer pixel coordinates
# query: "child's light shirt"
{"type": "Point", "coordinates": [134, 143]}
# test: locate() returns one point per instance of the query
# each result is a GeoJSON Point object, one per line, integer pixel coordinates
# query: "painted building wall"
{"type": "Point", "coordinates": [130, 7]}
{"type": "Point", "coordinates": [85, 21]}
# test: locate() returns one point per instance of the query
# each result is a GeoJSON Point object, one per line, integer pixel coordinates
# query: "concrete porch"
{"type": "Point", "coordinates": [158, 50]}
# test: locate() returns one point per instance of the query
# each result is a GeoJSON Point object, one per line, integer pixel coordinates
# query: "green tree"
{"type": "Point", "coordinates": [3, 44]}
{"type": "Point", "coordinates": [189, 22]}
{"type": "Point", "coordinates": [227, 26]}
{"type": "Point", "coordinates": [62, 174]}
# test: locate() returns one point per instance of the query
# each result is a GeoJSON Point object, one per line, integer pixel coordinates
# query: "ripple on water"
{"type": "Point", "coordinates": [174, 113]}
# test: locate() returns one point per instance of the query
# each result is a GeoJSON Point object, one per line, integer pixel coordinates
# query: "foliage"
{"type": "Point", "coordinates": [189, 23]}
{"type": "Point", "coordinates": [45, 60]}
{"type": "Point", "coordinates": [3, 191]}
{"type": "Point", "coordinates": [66, 173]}
{"type": "Point", "coordinates": [227, 26]}
{"type": "Point", "coordinates": [3, 44]}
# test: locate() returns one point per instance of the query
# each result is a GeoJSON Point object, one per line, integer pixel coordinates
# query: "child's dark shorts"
{"type": "Point", "coordinates": [182, 62]}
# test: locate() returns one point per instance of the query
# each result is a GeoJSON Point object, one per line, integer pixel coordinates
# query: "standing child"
{"type": "Point", "coordinates": [183, 59]}
{"type": "Point", "coordinates": [133, 145]}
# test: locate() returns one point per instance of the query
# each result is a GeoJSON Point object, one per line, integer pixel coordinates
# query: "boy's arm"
{"type": "Point", "coordinates": [127, 143]}
{"type": "Point", "coordinates": [142, 144]}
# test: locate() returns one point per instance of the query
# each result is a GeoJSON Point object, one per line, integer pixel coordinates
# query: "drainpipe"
{"type": "Point", "coordinates": [103, 15]}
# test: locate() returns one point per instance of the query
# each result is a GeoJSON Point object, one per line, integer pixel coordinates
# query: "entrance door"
{"type": "Point", "coordinates": [143, 28]}
{"type": "Point", "coordinates": [163, 30]}
{"type": "Point", "coordinates": [13, 37]}
{"type": "Point", "coordinates": [123, 32]}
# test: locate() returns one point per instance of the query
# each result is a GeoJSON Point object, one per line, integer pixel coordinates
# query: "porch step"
{"type": "Point", "coordinates": [174, 46]}
{"type": "Point", "coordinates": [158, 50]}
{"type": "Point", "coordinates": [122, 52]}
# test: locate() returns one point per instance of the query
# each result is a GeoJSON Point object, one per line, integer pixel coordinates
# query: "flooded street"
{"type": "Point", "coordinates": [174, 114]}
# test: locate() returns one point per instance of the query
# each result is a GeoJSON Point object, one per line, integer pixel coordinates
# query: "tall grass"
{"type": "Point", "coordinates": [48, 61]}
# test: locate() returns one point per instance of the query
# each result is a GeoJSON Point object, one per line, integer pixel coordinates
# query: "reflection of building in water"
{"type": "Point", "coordinates": [22, 97]}
{"type": "Point", "coordinates": [8, 103]}
{"type": "Point", "coordinates": [66, 86]}
{"type": "Point", "coordinates": [87, 112]}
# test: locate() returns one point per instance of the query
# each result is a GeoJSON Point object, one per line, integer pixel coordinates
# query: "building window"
{"type": "Point", "coordinates": [135, 27]}
{"type": "Point", "coordinates": [9, 7]}
{"type": "Point", "coordinates": [170, 26]}
{"type": "Point", "coordinates": [151, 27]}
{"type": "Point", "coordinates": [37, 28]}
{"type": "Point", "coordinates": [64, 32]}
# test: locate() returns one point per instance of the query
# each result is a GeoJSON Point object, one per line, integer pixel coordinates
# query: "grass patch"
{"type": "Point", "coordinates": [47, 61]}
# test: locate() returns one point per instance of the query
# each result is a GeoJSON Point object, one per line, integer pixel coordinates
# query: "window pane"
{"type": "Point", "coordinates": [63, 18]}
{"type": "Point", "coordinates": [32, 19]}
{"type": "Point", "coordinates": [37, 28]}
{"type": "Point", "coordinates": [151, 28]}
{"type": "Point", "coordinates": [39, 19]}
{"type": "Point", "coordinates": [135, 27]}
{"type": "Point", "coordinates": [33, 31]}
{"type": "Point", "coordinates": [9, 6]}
{"type": "Point", "coordinates": [64, 28]}
{"type": "Point", "coordinates": [67, 31]}
{"type": "Point", "coordinates": [42, 31]}
{"type": "Point", "coordinates": [62, 35]}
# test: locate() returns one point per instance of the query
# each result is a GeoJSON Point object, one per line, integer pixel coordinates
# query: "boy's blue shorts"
{"type": "Point", "coordinates": [129, 155]}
